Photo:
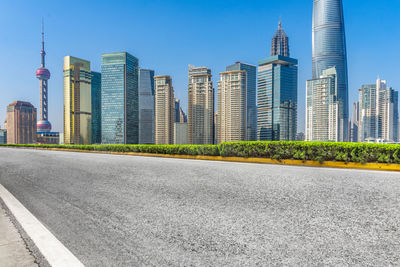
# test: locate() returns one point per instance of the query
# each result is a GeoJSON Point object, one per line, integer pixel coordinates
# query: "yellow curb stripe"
{"type": "Point", "coordinates": [330, 164]}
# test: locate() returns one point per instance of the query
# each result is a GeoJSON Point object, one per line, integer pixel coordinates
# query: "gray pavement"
{"type": "Point", "coordinates": [13, 250]}
{"type": "Point", "coordinates": [112, 210]}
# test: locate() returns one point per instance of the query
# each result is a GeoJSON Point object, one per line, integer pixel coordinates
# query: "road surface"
{"type": "Point", "coordinates": [112, 210]}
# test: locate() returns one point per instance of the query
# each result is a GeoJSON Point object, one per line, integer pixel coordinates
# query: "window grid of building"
{"type": "Point", "coordinates": [200, 106]}
{"type": "Point", "coordinates": [119, 99]}
{"type": "Point", "coordinates": [232, 106]}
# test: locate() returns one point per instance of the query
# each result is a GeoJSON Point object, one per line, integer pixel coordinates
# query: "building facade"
{"type": "Point", "coordinates": [180, 133]}
{"type": "Point", "coordinates": [180, 115]}
{"type": "Point", "coordinates": [355, 122]}
{"type": "Point", "coordinates": [77, 101]}
{"type": "Point", "coordinates": [329, 50]}
{"type": "Point", "coordinates": [119, 98]}
{"type": "Point", "coordinates": [368, 112]}
{"type": "Point", "coordinates": [200, 106]}
{"type": "Point", "coordinates": [96, 107]}
{"type": "Point", "coordinates": [379, 113]}
{"type": "Point", "coordinates": [146, 106]}
{"type": "Point", "coordinates": [177, 110]}
{"type": "Point", "coordinates": [21, 123]}
{"type": "Point", "coordinates": [49, 138]}
{"type": "Point", "coordinates": [251, 87]}
{"type": "Point", "coordinates": [388, 112]}
{"type": "Point", "coordinates": [3, 136]}
{"type": "Point", "coordinates": [322, 108]}
{"type": "Point", "coordinates": [232, 106]}
{"type": "Point", "coordinates": [164, 110]}
{"type": "Point", "coordinates": [277, 99]}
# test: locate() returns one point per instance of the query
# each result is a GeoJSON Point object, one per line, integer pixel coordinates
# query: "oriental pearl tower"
{"type": "Point", "coordinates": [43, 74]}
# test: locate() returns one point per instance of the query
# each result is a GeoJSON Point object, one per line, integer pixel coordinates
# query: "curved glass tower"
{"type": "Point", "coordinates": [329, 50]}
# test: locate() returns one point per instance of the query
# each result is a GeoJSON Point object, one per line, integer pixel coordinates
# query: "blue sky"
{"type": "Point", "coordinates": [168, 35]}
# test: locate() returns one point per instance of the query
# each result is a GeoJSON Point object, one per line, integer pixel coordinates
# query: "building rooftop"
{"type": "Point", "coordinates": [21, 104]}
{"type": "Point", "coordinates": [278, 59]}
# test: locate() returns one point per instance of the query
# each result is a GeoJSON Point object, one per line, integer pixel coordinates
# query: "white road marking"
{"type": "Point", "coordinates": [56, 254]}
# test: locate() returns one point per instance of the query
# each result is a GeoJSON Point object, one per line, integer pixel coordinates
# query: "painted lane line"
{"type": "Point", "coordinates": [56, 254]}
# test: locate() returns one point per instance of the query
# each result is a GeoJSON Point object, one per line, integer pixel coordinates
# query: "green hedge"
{"type": "Point", "coordinates": [316, 151]}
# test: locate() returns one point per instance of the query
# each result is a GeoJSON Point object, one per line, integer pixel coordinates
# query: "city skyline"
{"type": "Point", "coordinates": [29, 93]}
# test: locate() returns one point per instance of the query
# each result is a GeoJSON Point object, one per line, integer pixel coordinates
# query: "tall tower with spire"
{"type": "Point", "coordinates": [280, 43]}
{"type": "Point", "coordinates": [43, 74]}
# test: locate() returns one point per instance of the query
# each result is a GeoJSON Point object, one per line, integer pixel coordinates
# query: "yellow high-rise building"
{"type": "Point", "coordinates": [77, 101]}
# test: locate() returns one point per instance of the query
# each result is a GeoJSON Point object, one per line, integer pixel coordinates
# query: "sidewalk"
{"type": "Point", "coordinates": [13, 251]}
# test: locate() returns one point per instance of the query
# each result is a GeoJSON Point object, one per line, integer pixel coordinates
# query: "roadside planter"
{"type": "Point", "coordinates": [322, 154]}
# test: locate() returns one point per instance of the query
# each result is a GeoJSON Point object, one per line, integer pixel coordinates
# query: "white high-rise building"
{"type": "Point", "coordinates": [322, 120]}
{"type": "Point", "coordinates": [378, 112]}
{"type": "Point", "coordinates": [355, 122]}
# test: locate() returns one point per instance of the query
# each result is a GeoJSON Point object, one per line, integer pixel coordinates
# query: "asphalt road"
{"type": "Point", "coordinates": [112, 210]}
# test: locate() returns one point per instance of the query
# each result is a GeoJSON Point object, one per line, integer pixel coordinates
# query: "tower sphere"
{"type": "Point", "coordinates": [42, 73]}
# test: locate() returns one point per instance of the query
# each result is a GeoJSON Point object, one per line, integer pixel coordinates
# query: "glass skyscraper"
{"type": "Point", "coordinates": [277, 99]}
{"type": "Point", "coordinates": [96, 107]}
{"type": "Point", "coordinates": [119, 99]}
{"type": "Point", "coordinates": [329, 50]}
{"type": "Point", "coordinates": [146, 106]}
{"type": "Point", "coordinates": [251, 88]}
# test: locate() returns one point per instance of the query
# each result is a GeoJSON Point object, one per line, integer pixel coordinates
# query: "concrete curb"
{"type": "Point", "coordinates": [50, 251]}
{"type": "Point", "coordinates": [328, 164]}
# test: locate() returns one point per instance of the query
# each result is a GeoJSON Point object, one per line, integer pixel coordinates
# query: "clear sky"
{"type": "Point", "coordinates": [167, 35]}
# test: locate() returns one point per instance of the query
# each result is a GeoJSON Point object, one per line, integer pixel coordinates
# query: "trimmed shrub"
{"type": "Point", "coordinates": [315, 151]}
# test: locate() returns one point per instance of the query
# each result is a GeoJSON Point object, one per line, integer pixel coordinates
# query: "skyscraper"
{"type": "Point", "coordinates": [177, 110]}
{"type": "Point", "coordinates": [96, 107]}
{"type": "Point", "coordinates": [251, 88]}
{"type": "Point", "coordinates": [322, 108]}
{"type": "Point", "coordinates": [43, 74]}
{"type": "Point", "coordinates": [164, 110]}
{"type": "Point", "coordinates": [378, 112]}
{"type": "Point", "coordinates": [201, 106]}
{"type": "Point", "coordinates": [280, 43]}
{"type": "Point", "coordinates": [77, 101]}
{"type": "Point", "coordinates": [388, 115]}
{"type": "Point", "coordinates": [277, 99]}
{"type": "Point", "coordinates": [146, 106]}
{"type": "Point", "coordinates": [119, 99]}
{"type": "Point", "coordinates": [329, 50]}
{"type": "Point", "coordinates": [21, 123]}
{"type": "Point", "coordinates": [180, 116]}
{"type": "Point", "coordinates": [3, 136]}
{"type": "Point", "coordinates": [368, 112]}
{"type": "Point", "coordinates": [232, 106]}
{"type": "Point", "coordinates": [355, 122]}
